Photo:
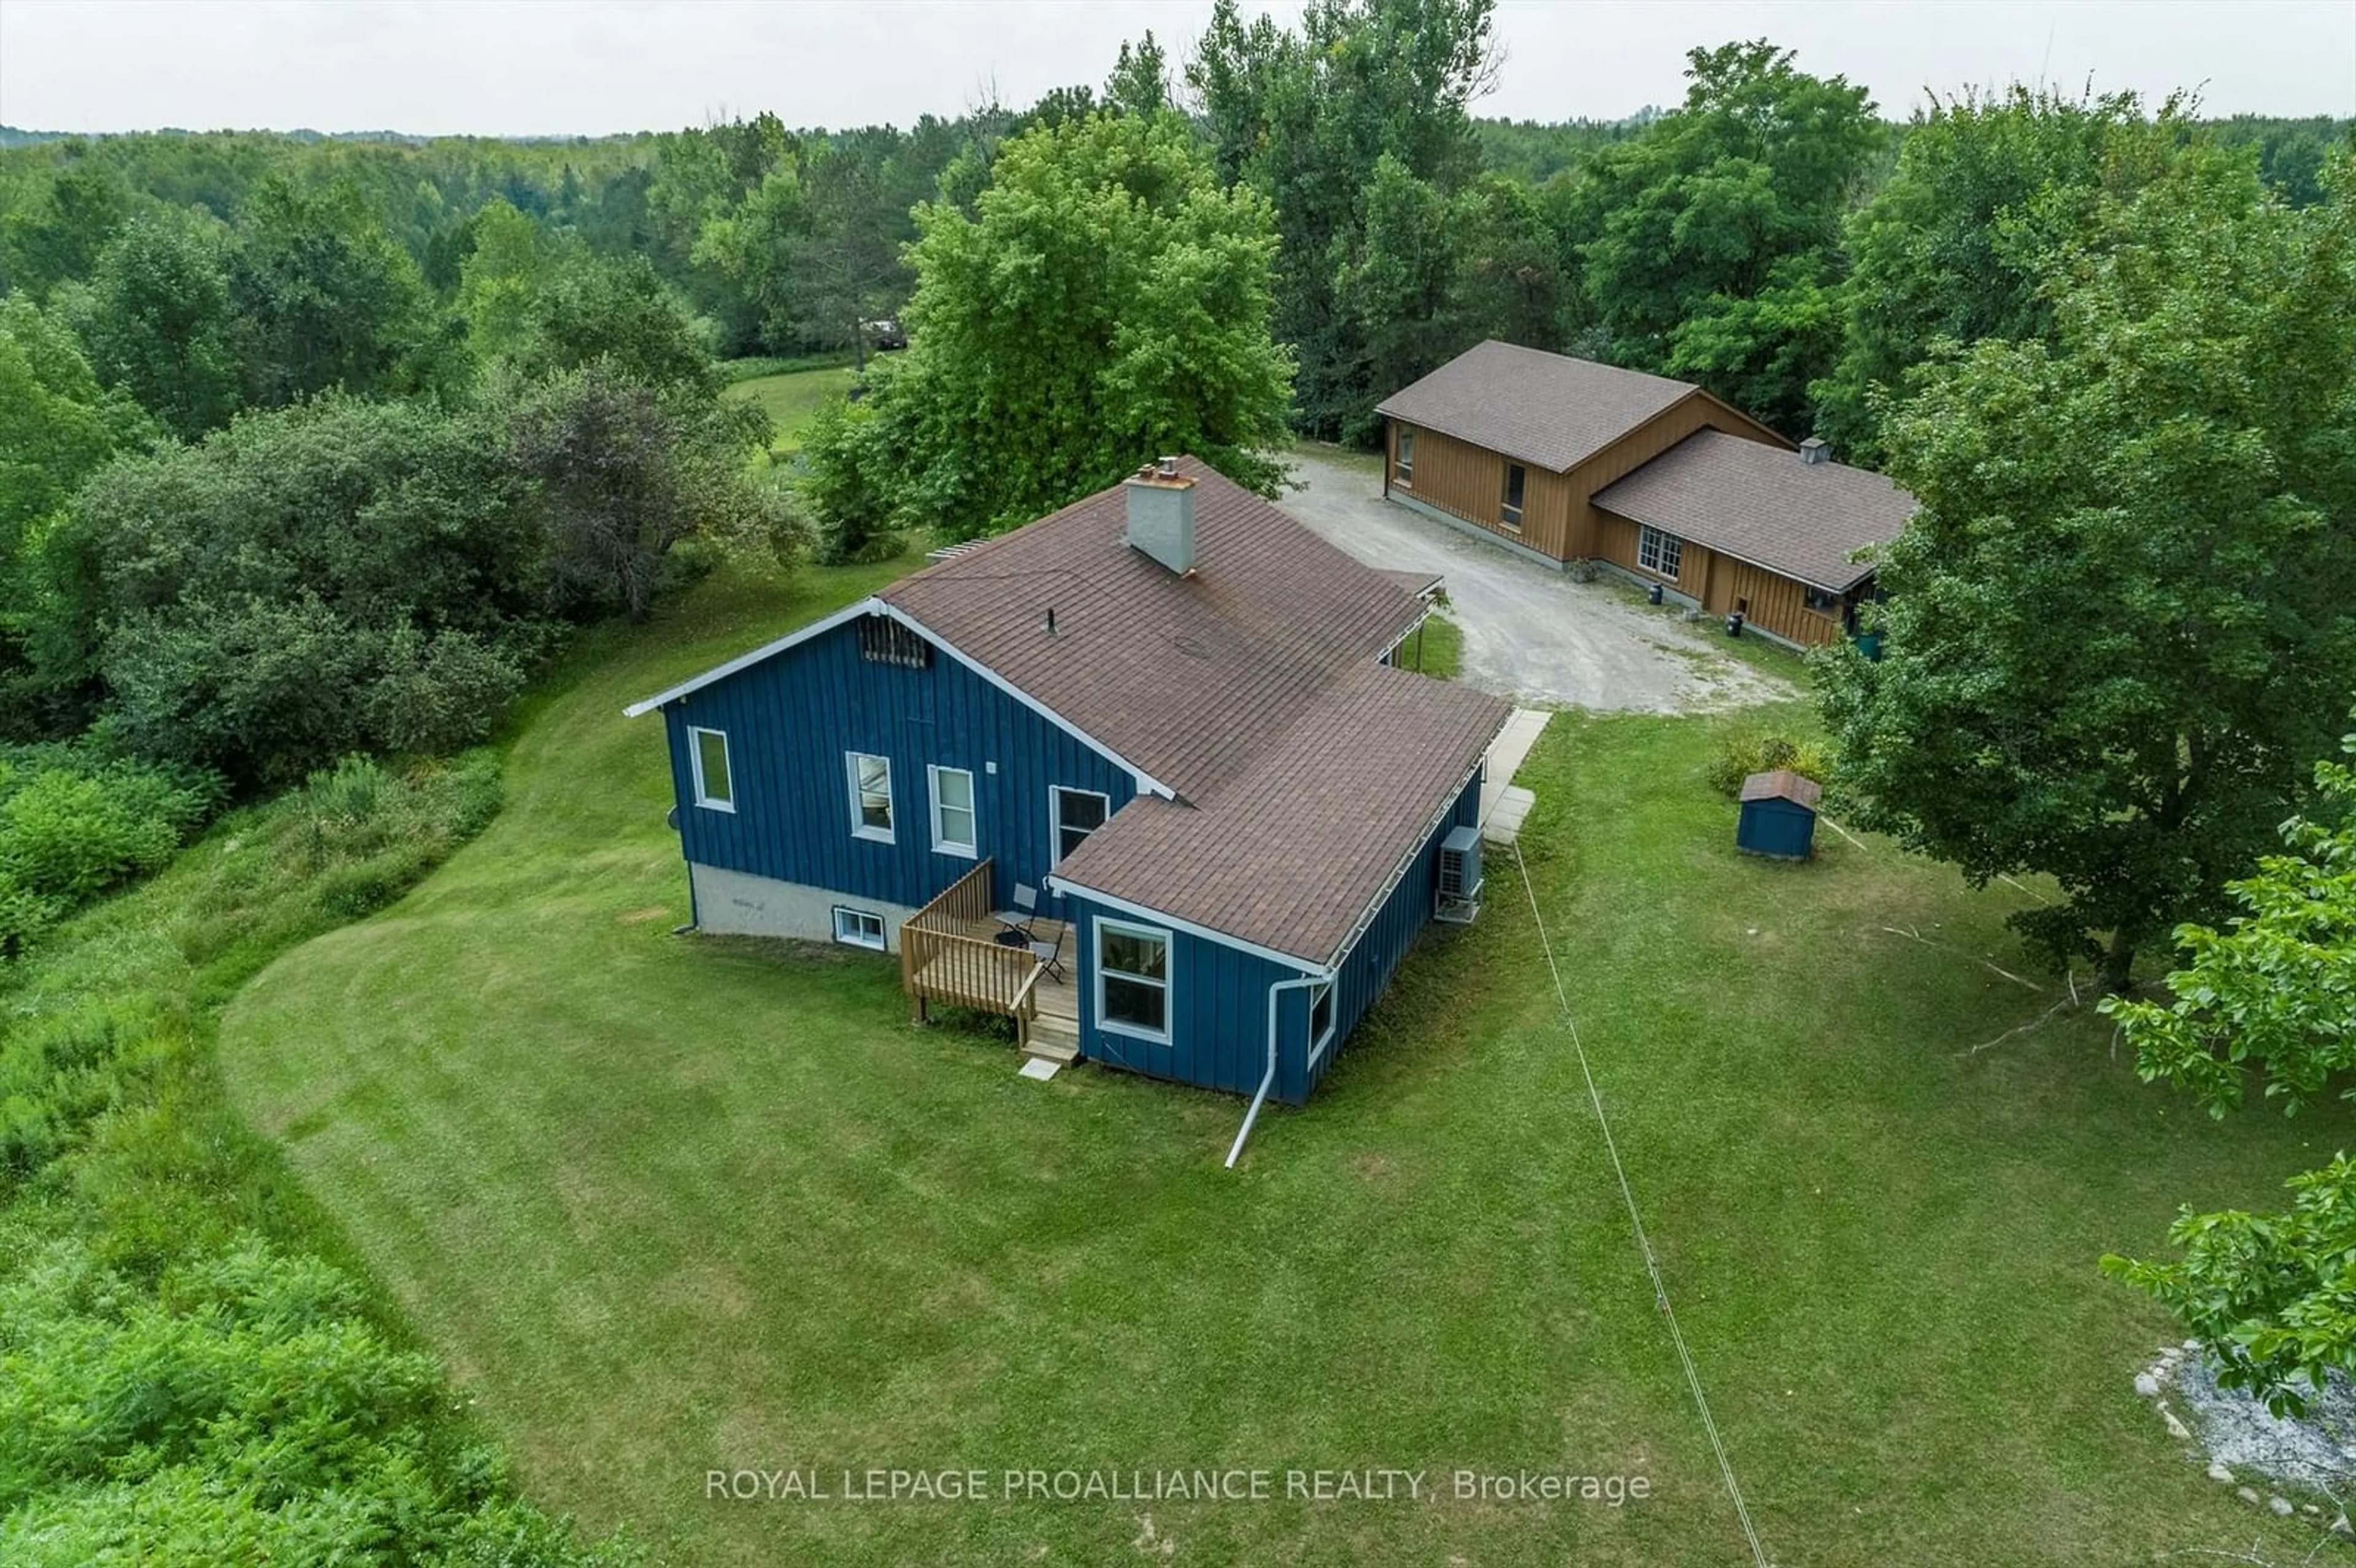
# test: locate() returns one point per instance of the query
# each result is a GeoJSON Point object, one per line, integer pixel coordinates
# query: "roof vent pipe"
{"type": "Point", "coordinates": [1162, 514]}
{"type": "Point", "coordinates": [1813, 450]}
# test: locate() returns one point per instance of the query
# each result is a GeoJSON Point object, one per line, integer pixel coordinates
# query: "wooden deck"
{"type": "Point", "coordinates": [950, 952]}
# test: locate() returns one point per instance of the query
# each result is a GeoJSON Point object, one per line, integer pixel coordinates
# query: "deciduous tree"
{"type": "Point", "coordinates": [2120, 625]}
{"type": "Point", "coordinates": [2269, 1293]}
{"type": "Point", "coordinates": [1107, 303]}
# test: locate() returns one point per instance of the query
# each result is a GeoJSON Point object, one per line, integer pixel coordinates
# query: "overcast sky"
{"type": "Point", "coordinates": [499, 67]}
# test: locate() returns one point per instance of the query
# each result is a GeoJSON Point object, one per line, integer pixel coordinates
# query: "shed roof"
{"type": "Point", "coordinates": [1291, 852]}
{"type": "Point", "coordinates": [1769, 507]}
{"type": "Point", "coordinates": [1783, 784]}
{"type": "Point", "coordinates": [1544, 409]}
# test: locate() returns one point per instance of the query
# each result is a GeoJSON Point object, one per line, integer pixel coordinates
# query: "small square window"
{"type": "Point", "coordinates": [1822, 601]}
{"type": "Point", "coordinates": [715, 788]}
{"type": "Point", "coordinates": [858, 928]}
{"type": "Point", "coordinates": [871, 796]}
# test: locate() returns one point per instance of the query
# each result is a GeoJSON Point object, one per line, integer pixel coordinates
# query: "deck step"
{"type": "Point", "coordinates": [1053, 1039]}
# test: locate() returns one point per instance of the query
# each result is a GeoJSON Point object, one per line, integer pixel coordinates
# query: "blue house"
{"type": "Point", "coordinates": [1169, 719]}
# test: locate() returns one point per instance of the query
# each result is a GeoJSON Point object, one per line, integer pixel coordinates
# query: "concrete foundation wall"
{"type": "Point", "coordinates": [738, 903]}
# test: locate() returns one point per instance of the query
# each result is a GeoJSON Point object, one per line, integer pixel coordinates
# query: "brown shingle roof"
{"type": "Point", "coordinates": [1544, 409]}
{"type": "Point", "coordinates": [1783, 784]}
{"type": "Point", "coordinates": [1764, 505]}
{"type": "Point", "coordinates": [1415, 580]}
{"type": "Point", "coordinates": [1189, 678]}
{"type": "Point", "coordinates": [1291, 852]}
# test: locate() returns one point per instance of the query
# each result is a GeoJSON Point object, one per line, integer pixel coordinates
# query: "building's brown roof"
{"type": "Point", "coordinates": [1189, 678]}
{"type": "Point", "coordinates": [1766, 504]}
{"type": "Point", "coordinates": [1291, 852]}
{"type": "Point", "coordinates": [1415, 580]}
{"type": "Point", "coordinates": [1783, 784]}
{"type": "Point", "coordinates": [1549, 409]}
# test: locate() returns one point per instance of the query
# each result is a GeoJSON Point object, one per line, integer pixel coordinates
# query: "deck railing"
{"type": "Point", "coordinates": [940, 962]}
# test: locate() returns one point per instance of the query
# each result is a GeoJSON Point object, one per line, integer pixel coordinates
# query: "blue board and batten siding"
{"type": "Point", "coordinates": [1218, 992]}
{"type": "Point", "coordinates": [791, 719]}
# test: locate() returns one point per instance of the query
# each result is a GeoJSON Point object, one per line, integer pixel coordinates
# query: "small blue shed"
{"type": "Point", "coordinates": [1779, 815]}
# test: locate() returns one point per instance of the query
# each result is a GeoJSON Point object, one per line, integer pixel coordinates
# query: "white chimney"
{"type": "Point", "coordinates": [1813, 450]}
{"type": "Point", "coordinates": [1162, 514]}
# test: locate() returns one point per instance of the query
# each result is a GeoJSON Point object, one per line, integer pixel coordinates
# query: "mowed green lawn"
{"type": "Point", "coordinates": [792, 400]}
{"type": "Point", "coordinates": [671, 1205]}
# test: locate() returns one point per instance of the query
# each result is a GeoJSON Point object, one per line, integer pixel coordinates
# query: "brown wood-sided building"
{"type": "Point", "coordinates": [1565, 460]}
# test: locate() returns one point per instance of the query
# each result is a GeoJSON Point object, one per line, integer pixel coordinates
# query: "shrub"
{"type": "Point", "coordinates": [73, 825]}
{"type": "Point", "coordinates": [1741, 752]}
{"type": "Point", "coordinates": [847, 481]}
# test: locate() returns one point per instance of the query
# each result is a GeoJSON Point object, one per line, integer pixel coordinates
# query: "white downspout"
{"type": "Point", "coordinates": [1269, 1081]}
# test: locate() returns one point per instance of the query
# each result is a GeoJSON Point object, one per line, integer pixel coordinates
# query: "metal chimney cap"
{"type": "Point", "coordinates": [1167, 468]}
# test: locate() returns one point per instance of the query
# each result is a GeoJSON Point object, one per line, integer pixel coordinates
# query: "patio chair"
{"type": "Point", "coordinates": [1047, 952]}
{"type": "Point", "coordinates": [1026, 900]}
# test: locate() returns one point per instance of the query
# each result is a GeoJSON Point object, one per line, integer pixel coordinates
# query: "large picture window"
{"type": "Point", "coordinates": [707, 752]}
{"type": "Point", "coordinates": [953, 815]}
{"type": "Point", "coordinates": [871, 796]}
{"type": "Point", "coordinates": [1133, 980]}
{"type": "Point", "coordinates": [1509, 507]}
{"type": "Point", "coordinates": [1659, 552]}
{"type": "Point", "coordinates": [1079, 813]}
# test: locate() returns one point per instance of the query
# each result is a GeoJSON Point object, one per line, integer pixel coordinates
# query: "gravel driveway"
{"type": "Point", "coordinates": [1530, 633]}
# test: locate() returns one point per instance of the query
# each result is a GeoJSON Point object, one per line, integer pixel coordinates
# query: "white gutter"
{"type": "Point", "coordinates": [1269, 1081]}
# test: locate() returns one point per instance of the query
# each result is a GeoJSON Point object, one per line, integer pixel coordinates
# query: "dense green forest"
{"type": "Point", "coordinates": [313, 450]}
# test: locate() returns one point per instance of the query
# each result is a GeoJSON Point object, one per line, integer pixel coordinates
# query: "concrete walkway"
{"type": "Point", "coordinates": [1530, 633]}
{"type": "Point", "coordinates": [1503, 803]}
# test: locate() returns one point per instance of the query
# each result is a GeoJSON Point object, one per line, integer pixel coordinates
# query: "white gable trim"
{"type": "Point", "coordinates": [1062, 885]}
{"type": "Point", "coordinates": [1146, 783]}
{"type": "Point", "coordinates": [746, 661]}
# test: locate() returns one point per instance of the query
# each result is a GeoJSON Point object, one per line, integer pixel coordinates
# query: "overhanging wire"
{"type": "Point", "coordinates": [1644, 1242]}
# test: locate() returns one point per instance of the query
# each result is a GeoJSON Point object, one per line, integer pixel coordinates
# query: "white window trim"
{"type": "Point", "coordinates": [942, 843]}
{"type": "Point", "coordinates": [704, 797]}
{"type": "Point", "coordinates": [877, 945]}
{"type": "Point", "coordinates": [1055, 794]}
{"type": "Point", "coordinates": [1168, 981]}
{"type": "Point", "coordinates": [1663, 534]}
{"type": "Point", "coordinates": [859, 828]}
{"type": "Point", "coordinates": [1332, 1017]}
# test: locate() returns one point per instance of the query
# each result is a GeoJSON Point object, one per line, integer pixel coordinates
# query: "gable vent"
{"type": "Point", "coordinates": [882, 640]}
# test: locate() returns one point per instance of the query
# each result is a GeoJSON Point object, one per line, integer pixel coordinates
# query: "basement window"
{"type": "Point", "coordinates": [1403, 466]}
{"type": "Point", "coordinates": [1659, 552]}
{"type": "Point", "coordinates": [882, 640]}
{"type": "Point", "coordinates": [1509, 510]}
{"type": "Point", "coordinates": [858, 927]}
{"type": "Point", "coordinates": [707, 755]}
